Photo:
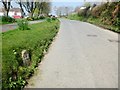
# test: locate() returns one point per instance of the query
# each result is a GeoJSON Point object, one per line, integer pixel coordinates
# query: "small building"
{"type": "Point", "coordinates": [14, 12]}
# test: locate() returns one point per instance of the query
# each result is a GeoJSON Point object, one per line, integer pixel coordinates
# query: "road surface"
{"type": "Point", "coordinates": [13, 26]}
{"type": "Point", "coordinates": [81, 56]}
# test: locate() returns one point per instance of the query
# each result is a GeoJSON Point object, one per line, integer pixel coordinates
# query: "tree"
{"type": "Point", "coordinates": [63, 11]}
{"type": "Point", "coordinates": [36, 12]}
{"type": "Point", "coordinates": [29, 6]}
{"type": "Point", "coordinates": [59, 11]}
{"type": "Point", "coordinates": [36, 7]}
{"type": "Point", "coordinates": [6, 4]}
{"type": "Point", "coordinates": [21, 7]}
{"type": "Point", "coordinates": [46, 8]}
{"type": "Point", "coordinates": [43, 7]}
{"type": "Point", "coordinates": [87, 4]}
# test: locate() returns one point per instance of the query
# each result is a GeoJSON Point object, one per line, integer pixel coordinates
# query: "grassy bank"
{"type": "Point", "coordinates": [36, 41]}
{"type": "Point", "coordinates": [95, 21]}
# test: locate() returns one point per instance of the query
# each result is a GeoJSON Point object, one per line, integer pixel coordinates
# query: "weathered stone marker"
{"type": "Point", "coordinates": [25, 57]}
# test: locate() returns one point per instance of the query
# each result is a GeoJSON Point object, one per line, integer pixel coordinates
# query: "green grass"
{"type": "Point", "coordinates": [36, 40]}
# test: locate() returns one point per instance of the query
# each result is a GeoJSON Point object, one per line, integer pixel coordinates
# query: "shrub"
{"type": "Point", "coordinates": [106, 17]}
{"type": "Point", "coordinates": [116, 10]}
{"type": "Point", "coordinates": [7, 19]}
{"type": "Point", "coordinates": [49, 19]}
{"type": "Point", "coordinates": [109, 15]}
{"type": "Point", "coordinates": [84, 12]}
{"type": "Point", "coordinates": [42, 17]}
{"type": "Point", "coordinates": [19, 83]}
{"type": "Point", "coordinates": [81, 12]}
{"type": "Point", "coordinates": [54, 18]}
{"type": "Point", "coordinates": [22, 24]}
{"type": "Point", "coordinates": [97, 10]}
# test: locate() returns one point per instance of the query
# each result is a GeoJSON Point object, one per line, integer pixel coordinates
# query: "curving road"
{"type": "Point", "coordinates": [82, 56]}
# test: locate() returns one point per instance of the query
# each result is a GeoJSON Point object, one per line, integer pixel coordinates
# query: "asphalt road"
{"type": "Point", "coordinates": [81, 56]}
{"type": "Point", "coordinates": [13, 26]}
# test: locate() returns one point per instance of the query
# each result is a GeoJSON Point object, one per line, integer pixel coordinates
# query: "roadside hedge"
{"type": "Point", "coordinates": [106, 15]}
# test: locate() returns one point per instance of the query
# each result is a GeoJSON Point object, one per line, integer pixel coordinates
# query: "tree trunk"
{"type": "Point", "coordinates": [31, 14]}
{"type": "Point", "coordinates": [22, 14]}
{"type": "Point", "coordinates": [7, 13]}
{"type": "Point", "coordinates": [22, 11]}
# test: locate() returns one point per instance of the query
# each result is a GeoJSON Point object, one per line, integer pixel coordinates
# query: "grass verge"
{"type": "Point", "coordinates": [36, 41]}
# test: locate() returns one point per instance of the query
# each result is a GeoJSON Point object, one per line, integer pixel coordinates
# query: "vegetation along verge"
{"type": "Point", "coordinates": [106, 15]}
{"type": "Point", "coordinates": [35, 41]}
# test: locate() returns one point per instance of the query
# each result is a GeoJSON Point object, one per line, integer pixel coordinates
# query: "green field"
{"type": "Point", "coordinates": [36, 41]}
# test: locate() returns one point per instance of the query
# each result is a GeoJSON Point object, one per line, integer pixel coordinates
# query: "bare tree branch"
{"type": "Point", "coordinates": [7, 5]}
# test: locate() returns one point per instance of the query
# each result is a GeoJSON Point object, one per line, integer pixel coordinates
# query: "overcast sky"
{"type": "Point", "coordinates": [59, 3]}
{"type": "Point", "coordinates": [55, 3]}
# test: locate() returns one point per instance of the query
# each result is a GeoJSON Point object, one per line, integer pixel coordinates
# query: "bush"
{"type": "Point", "coordinates": [22, 24]}
{"type": "Point", "coordinates": [7, 19]}
{"type": "Point", "coordinates": [106, 15]}
{"type": "Point", "coordinates": [97, 10]}
{"type": "Point", "coordinates": [110, 14]}
{"type": "Point", "coordinates": [84, 12]}
{"type": "Point", "coordinates": [54, 18]}
{"type": "Point", "coordinates": [49, 19]}
{"type": "Point", "coordinates": [42, 17]}
{"type": "Point", "coordinates": [88, 13]}
{"type": "Point", "coordinates": [81, 12]}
